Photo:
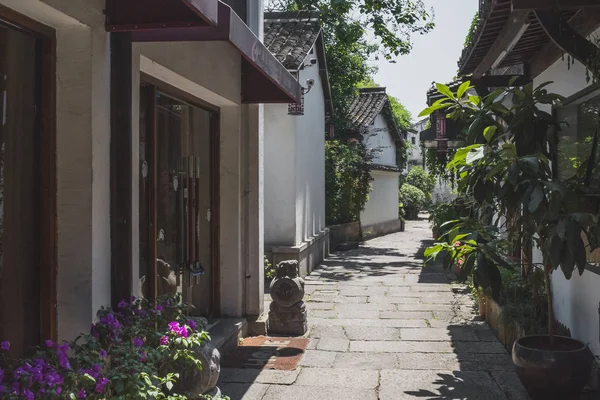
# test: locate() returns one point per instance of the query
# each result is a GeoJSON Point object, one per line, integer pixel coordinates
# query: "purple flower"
{"type": "Point", "coordinates": [103, 354]}
{"type": "Point", "coordinates": [159, 308]}
{"type": "Point", "coordinates": [100, 385]}
{"type": "Point", "coordinates": [81, 394]}
{"type": "Point", "coordinates": [1, 375]}
{"type": "Point", "coordinates": [49, 343]}
{"type": "Point", "coordinates": [28, 394]}
{"type": "Point", "coordinates": [143, 356]}
{"type": "Point", "coordinates": [137, 342]}
{"type": "Point", "coordinates": [192, 324]}
{"type": "Point", "coordinates": [122, 304]}
{"type": "Point", "coordinates": [132, 299]}
{"type": "Point", "coordinates": [5, 346]}
{"type": "Point", "coordinates": [164, 340]}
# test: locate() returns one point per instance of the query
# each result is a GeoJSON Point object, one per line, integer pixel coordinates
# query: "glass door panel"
{"type": "Point", "coordinates": [181, 134]}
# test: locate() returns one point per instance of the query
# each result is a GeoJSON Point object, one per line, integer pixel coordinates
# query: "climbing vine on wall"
{"type": "Point", "coordinates": [436, 164]}
{"type": "Point", "coordinates": [347, 180]}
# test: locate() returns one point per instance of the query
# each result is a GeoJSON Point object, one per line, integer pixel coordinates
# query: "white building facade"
{"type": "Point", "coordinates": [294, 162]}
{"type": "Point", "coordinates": [148, 163]}
{"type": "Point", "coordinates": [373, 118]}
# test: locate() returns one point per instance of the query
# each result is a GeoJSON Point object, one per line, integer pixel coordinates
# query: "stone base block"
{"type": "Point", "coordinates": [290, 321]}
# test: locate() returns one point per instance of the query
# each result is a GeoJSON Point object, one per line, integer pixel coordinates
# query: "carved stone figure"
{"type": "Point", "coordinates": [287, 313]}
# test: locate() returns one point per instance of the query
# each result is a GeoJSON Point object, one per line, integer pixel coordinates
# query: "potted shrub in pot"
{"type": "Point", "coordinates": [508, 165]}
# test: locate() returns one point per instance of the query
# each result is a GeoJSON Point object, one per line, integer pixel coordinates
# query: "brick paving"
{"type": "Point", "coordinates": [383, 327]}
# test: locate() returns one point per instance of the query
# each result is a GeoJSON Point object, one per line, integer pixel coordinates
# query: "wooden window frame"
{"type": "Point", "coordinates": [46, 163]}
{"type": "Point", "coordinates": [153, 86]}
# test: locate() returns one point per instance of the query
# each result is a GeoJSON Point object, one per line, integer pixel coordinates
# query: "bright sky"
{"type": "Point", "coordinates": [433, 57]}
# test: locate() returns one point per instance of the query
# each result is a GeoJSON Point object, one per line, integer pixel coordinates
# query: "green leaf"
{"type": "Point", "coordinates": [475, 100]}
{"type": "Point", "coordinates": [430, 110]}
{"type": "Point", "coordinates": [462, 89]}
{"type": "Point", "coordinates": [445, 90]}
{"type": "Point", "coordinates": [488, 133]}
{"type": "Point", "coordinates": [169, 386]}
{"type": "Point", "coordinates": [475, 154]}
{"type": "Point", "coordinates": [537, 195]}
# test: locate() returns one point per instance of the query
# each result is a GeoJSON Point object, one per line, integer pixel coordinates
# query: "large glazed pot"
{"type": "Point", "coordinates": [552, 372]}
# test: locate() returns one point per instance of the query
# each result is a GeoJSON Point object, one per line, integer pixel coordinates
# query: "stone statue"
{"type": "Point", "coordinates": [287, 313]}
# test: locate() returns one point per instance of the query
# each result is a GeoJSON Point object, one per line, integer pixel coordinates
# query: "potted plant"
{"type": "Point", "coordinates": [507, 165]}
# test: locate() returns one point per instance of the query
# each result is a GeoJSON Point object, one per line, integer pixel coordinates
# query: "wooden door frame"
{"type": "Point", "coordinates": [46, 190]}
{"type": "Point", "coordinates": [214, 149]}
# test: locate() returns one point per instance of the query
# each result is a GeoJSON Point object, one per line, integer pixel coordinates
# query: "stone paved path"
{"type": "Point", "coordinates": [383, 327]}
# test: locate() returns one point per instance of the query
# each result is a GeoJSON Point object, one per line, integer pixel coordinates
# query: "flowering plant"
{"type": "Point", "coordinates": [131, 352]}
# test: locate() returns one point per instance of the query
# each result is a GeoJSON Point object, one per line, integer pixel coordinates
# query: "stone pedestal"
{"type": "Point", "coordinates": [287, 313]}
{"type": "Point", "coordinates": [203, 381]}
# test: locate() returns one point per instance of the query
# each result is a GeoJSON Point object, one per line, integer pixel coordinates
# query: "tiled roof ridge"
{"type": "Point", "coordinates": [380, 89]}
{"type": "Point", "coordinates": [291, 16]}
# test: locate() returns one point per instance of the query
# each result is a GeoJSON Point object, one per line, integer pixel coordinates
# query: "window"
{"type": "Point", "coordinates": [578, 119]}
{"type": "Point", "coordinates": [579, 122]}
{"type": "Point", "coordinates": [413, 140]}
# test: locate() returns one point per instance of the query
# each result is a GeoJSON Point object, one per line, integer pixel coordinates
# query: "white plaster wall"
{"type": "Point", "coordinates": [310, 157]}
{"type": "Point", "coordinates": [383, 199]}
{"type": "Point", "coordinates": [280, 176]}
{"type": "Point", "coordinates": [378, 137]}
{"type": "Point", "coordinates": [295, 167]}
{"type": "Point", "coordinates": [576, 301]}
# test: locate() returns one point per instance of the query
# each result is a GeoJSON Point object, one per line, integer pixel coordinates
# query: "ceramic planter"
{"type": "Point", "coordinates": [552, 372]}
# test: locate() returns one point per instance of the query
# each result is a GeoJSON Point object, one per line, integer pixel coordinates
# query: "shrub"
{"type": "Point", "coordinates": [417, 177]}
{"type": "Point", "coordinates": [413, 200]}
{"type": "Point", "coordinates": [347, 180]}
{"type": "Point", "coordinates": [269, 269]}
{"type": "Point", "coordinates": [134, 351]}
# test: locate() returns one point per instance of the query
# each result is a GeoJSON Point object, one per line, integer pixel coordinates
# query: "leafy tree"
{"type": "Point", "coordinates": [417, 177]}
{"type": "Point", "coordinates": [401, 114]}
{"type": "Point", "coordinates": [348, 26]}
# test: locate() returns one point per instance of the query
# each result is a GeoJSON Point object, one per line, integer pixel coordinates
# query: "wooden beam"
{"type": "Point", "coordinates": [121, 208]}
{"type": "Point", "coordinates": [568, 39]}
{"type": "Point", "coordinates": [552, 4]}
{"type": "Point", "coordinates": [491, 81]}
{"type": "Point", "coordinates": [583, 22]}
{"type": "Point", "coordinates": [503, 41]}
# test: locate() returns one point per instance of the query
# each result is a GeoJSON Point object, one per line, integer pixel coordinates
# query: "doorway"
{"type": "Point", "coordinates": [177, 199]}
{"type": "Point", "coordinates": [27, 183]}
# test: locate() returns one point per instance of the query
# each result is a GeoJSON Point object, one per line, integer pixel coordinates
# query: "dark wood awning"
{"type": "Point", "coordinates": [264, 79]}
{"type": "Point", "coordinates": [134, 15]}
{"type": "Point", "coordinates": [510, 33]}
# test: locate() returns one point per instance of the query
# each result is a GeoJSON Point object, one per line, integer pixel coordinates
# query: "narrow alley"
{"type": "Point", "coordinates": [383, 327]}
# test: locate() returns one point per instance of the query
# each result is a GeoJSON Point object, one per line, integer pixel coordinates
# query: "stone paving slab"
{"type": "Point", "coordinates": [249, 375]}
{"type": "Point", "coordinates": [455, 334]}
{"type": "Point", "coordinates": [368, 333]}
{"type": "Point", "coordinates": [382, 327]}
{"type": "Point", "coordinates": [317, 393]}
{"type": "Point", "coordinates": [244, 391]}
{"type": "Point", "coordinates": [329, 344]}
{"type": "Point", "coordinates": [317, 358]}
{"type": "Point", "coordinates": [400, 347]}
{"type": "Point", "coordinates": [441, 384]}
{"type": "Point", "coordinates": [373, 361]}
{"type": "Point", "coordinates": [338, 377]}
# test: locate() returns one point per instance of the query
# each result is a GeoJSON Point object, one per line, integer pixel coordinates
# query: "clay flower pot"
{"type": "Point", "coordinates": [552, 372]}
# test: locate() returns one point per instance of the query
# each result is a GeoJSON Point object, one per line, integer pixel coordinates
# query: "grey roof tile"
{"type": "Point", "coordinates": [369, 103]}
{"type": "Point", "coordinates": [290, 35]}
